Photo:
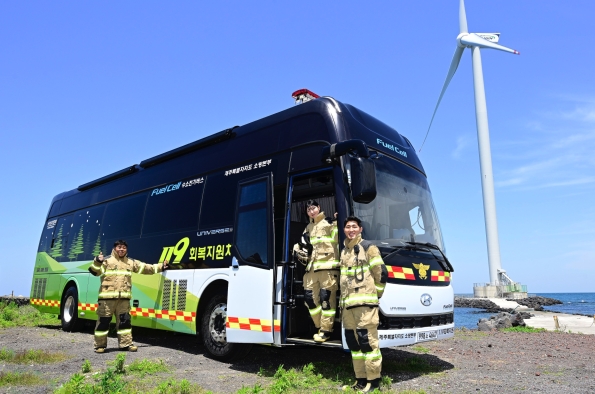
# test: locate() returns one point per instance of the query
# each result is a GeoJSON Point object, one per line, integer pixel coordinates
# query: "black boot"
{"type": "Point", "coordinates": [372, 385]}
{"type": "Point", "coordinates": [359, 384]}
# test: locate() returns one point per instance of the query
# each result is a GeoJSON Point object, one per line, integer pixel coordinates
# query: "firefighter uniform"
{"type": "Point", "coordinates": [114, 295]}
{"type": "Point", "coordinates": [322, 272]}
{"type": "Point", "coordinates": [363, 278]}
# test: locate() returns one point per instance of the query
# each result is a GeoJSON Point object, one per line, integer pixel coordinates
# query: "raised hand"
{"type": "Point", "coordinates": [165, 265]}
{"type": "Point", "coordinates": [100, 257]}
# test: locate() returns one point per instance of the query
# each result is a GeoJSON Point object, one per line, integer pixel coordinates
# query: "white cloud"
{"type": "Point", "coordinates": [463, 142]}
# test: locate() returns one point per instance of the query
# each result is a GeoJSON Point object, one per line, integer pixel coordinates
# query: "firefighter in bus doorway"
{"type": "Point", "coordinates": [115, 272]}
{"type": "Point", "coordinates": [319, 251]}
{"type": "Point", "coordinates": [363, 278]}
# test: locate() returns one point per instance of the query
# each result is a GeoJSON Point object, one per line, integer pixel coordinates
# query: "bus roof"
{"type": "Point", "coordinates": [324, 119]}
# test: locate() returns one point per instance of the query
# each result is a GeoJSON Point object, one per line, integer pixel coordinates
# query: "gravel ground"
{"type": "Point", "coordinates": [492, 362]}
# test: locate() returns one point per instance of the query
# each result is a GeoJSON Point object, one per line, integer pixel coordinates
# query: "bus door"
{"type": "Point", "coordinates": [315, 185]}
{"type": "Point", "coordinates": [251, 276]}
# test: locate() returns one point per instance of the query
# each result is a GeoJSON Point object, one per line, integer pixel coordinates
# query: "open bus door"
{"type": "Point", "coordinates": [251, 275]}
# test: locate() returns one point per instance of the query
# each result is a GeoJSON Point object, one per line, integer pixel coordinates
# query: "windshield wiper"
{"type": "Point", "coordinates": [431, 247]}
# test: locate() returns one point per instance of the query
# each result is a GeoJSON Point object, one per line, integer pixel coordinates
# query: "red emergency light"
{"type": "Point", "coordinates": [303, 96]}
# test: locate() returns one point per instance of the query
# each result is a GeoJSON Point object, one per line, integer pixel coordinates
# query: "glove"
{"type": "Point", "coordinates": [302, 255]}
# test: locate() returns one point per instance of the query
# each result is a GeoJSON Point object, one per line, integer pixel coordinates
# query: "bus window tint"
{"type": "Point", "coordinates": [85, 238]}
{"type": "Point", "coordinates": [59, 244]}
{"type": "Point", "coordinates": [175, 209]}
{"type": "Point", "coordinates": [251, 233]}
{"type": "Point", "coordinates": [220, 191]}
{"type": "Point", "coordinates": [46, 236]}
{"type": "Point", "coordinates": [123, 218]}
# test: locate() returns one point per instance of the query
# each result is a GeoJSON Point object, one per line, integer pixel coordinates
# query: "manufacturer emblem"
{"type": "Point", "coordinates": [423, 270]}
{"type": "Point", "coordinates": [426, 299]}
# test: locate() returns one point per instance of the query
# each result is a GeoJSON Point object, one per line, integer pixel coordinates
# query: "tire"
{"type": "Point", "coordinates": [213, 332]}
{"type": "Point", "coordinates": [69, 310]}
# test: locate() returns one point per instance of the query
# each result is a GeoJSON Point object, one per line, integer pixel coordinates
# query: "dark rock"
{"type": "Point", "coordinates": [537, 302]}
{"type": "Point", "coordinates": [501, 320]}
{"type": "Point", "coordinates": [480, 303]}
{"type": "Point", "coordinates": [19, 300]}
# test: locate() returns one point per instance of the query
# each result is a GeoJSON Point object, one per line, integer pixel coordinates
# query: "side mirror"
{"type": "Point", "coordinates": [363, 180]}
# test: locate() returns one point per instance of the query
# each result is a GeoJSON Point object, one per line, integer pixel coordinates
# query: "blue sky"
{"type": "Point", "coordinates": [88, 88]}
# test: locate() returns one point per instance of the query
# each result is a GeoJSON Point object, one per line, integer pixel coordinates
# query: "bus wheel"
{"type": "Point", "coordinates": [214, 335]}
{"type": "Point", "coordinates": [69, 310]}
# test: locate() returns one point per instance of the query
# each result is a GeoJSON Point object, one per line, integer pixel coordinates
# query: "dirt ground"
{"type": "Point", "coordinates": [493, 362]}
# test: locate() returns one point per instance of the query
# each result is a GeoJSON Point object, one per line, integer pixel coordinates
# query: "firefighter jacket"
{"type": "Point", "coordinates": [116, 274]}
{"type": "Point", "coordinates": [363, 274]}
{"type": "Point", "coordinates": [325, 244]}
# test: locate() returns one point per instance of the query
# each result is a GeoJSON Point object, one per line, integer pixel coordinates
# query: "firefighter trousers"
{"type": "Point", "coordinates": [361, 334]}
{"type": "Point", "coordinates": [106, 308]}
{"type": "Point", "coordinates": [321, 297]}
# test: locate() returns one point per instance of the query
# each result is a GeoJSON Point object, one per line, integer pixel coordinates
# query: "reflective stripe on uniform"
{"type": "Point", "coordinates": [95, 267]}
{"type": "Point", "coordinates": [103, 269]}
{"type": "Point", "coordinates": [357, 355]}
{"type": "Point", "coordinates": [325, 265]}
{"type": "Point", "coordinates": [376, 261]}
{"type": "Point", "coordinates": [141, 268]}
{"type": "Point", "coordinates": [117, 272]}
{"type": "Point", "coordinates": [101, 333]}
{"type": "Point", "coordinates": [328, 312]}
{"type": "Point", "coordinates": [380, 287]}
{"type": "Point", "coordinates": [360, 298]}
{"type": "Point", "coordinates": [351, 272]}
{"type": "Point", "coordinates": [124, 332]}
{"type": "Point", "coordinates": [114, 294]}
{"type": "Point", "coordinates": [373, 355]}
{"type": "Point", "coordinates": [318, 240]}
{"type": "Point", "coordinates": [315, 311]}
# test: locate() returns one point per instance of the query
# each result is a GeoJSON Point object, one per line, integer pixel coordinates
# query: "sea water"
{"type": "Point", "coordinates": [582, 303]}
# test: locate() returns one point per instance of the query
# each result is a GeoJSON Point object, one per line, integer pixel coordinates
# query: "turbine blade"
{"type": "Point", "coordinates": [473, 40]}
{"type": "Point", "coordinates": [462, 18]}
{"type": "Point", "coordinates": [454, 64]}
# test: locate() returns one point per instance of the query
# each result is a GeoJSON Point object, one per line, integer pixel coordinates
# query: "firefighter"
{"type": "Point", "coordinates": [363, 277]}
{"type": "Point", "coordinates": [115, 273]}
{"type": "Point", "coordinates": [319, 252]}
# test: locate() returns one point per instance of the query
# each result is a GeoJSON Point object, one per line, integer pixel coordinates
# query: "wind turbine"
{"type": "Point", "coordinates": [476, 41]}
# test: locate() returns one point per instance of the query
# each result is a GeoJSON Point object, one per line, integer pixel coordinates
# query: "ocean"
{"type": "Point", "coordinates": [583, 303]}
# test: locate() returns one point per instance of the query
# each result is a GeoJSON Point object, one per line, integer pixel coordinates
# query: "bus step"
{"type": "Point", "coordinates": [331, 343]}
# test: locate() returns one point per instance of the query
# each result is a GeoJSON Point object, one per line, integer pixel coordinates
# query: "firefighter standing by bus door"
{"type": "Point", "coordinates": [115, 272]}
{"type": "Point", "coordinates": [322, 269]}
{"type": "Point", "coordinates": [363, 278]}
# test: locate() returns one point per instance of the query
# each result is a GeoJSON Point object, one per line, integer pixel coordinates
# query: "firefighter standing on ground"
{"type": "Point", "coordinates": [322, 270]}
{"type": "Point", "coordinates": [115, 293]}
{"type": "Point", "coordinates": [363, 278]}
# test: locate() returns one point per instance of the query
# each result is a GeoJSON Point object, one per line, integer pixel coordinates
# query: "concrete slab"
{"type": "Point", "coordinates": [574, 323]}
{"type": "Point", "coordinates": [504, 304]}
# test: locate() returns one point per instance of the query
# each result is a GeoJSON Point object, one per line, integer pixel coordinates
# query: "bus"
{"type": "Point", "coordinates": [225, 212]}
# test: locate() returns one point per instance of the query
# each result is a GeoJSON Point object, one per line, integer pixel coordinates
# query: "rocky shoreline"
{"type": "Point", "coordinates": [19, 300]}
{"type": "Point", "coordinates": [537, 303]}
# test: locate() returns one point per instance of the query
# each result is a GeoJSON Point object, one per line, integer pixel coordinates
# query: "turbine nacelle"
{"type": "Point", "coordinates": [468, 40]}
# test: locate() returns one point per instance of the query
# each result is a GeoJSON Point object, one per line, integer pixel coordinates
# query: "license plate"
{"type": "Point", "coordinates": [427, 335]}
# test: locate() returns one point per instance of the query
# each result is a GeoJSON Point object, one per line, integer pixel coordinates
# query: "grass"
{"type": "Point", "coordinates": [421, 349]}
{"type": "Point", "coordinates": [117, 379]}
{"type": "Point", "coordinates": [26, 316]}
{"type": "Point", "coordinates": [523, 329]}
{"type": "Point", "coordinates": [147, 367]}
{"type": "Point", "coordinates": [32, 356]}
{"type": "Point", "coordinates": [19, 379]}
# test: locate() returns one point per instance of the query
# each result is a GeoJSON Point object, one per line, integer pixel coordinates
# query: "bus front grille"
{"type": "Point", "coordinates": [404, 322]}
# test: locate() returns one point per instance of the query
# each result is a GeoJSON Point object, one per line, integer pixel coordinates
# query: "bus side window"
{"type": "Point", "coordinates": [85, 238]}
{"type": "Point", "coordinates": [58, 246]}
{"type": "Point", "coordinates": [175, 210]}
{"type": "Point", "coordinates": [46, 236]}
{"type": "Point", "coordinates": [218, 201]}
{"type": "Point", "coordinates": [252, 227]}
{"type": "Point", "coordinates": [123, 219]}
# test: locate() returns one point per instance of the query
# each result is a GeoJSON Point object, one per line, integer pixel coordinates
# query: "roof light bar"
{"type": "Point", "coordinates": [303, 96]}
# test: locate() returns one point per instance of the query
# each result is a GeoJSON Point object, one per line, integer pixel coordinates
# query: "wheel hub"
{"type": "Point", "coordinates": [69, 309]}
{"type": "Point", "coordinates": [217, 322]}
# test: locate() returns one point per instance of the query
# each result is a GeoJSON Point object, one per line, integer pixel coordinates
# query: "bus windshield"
{"type": "Point", "coordinates": [403, 210]}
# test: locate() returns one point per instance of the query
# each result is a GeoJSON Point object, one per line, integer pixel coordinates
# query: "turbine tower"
{"type": "Point", "coordinates": [476, 41]}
